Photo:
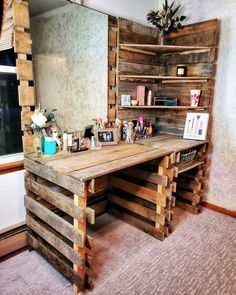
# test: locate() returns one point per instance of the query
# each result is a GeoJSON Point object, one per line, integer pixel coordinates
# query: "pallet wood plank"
{"type": "Point", "coordinates": [21, 15]}
{"type": "Point", "coordinates": [137, 223]}
{"type": "Point", "coordinates": [54, 221]}
{"type": "Point", "coordinates": [22, 42]}
{"type": "Point", "coordinates": [112, 38]}
{"type": "Point", "coordinates": [112, 78]}
{"type": "Point", "coordinates": [136, 208]}
{"type": "Point", "coordinates": [26, 95]}
{"type": "Point", "coordinates": [112, 58]}
{"type": "Point", "coordinates": [187, 207]}
{"type": "Point", "coordinates": [125, 162]}
{"type": "Point", "coordinates": [146, 175]}
{"type": "Point", "coordinates": [25, 119]}
{"type": "Point", "coordinates": [53, 259]}
{"type": "Point", "coordinates": [24, 70]}
{"type": "Point", "coordinates": [80, 226]}
{"type": "Point", "coordinates": [139, 191]}
{"type": "Point", "coordinates": [54, 240]}
{"type": "Point", "coordinates": [98, 184]}
{"type": "Point", "coordinates": [27, 141]}
{"type": "Point", "coordinates": [56, 198]}
{"type": "Point", "coordinates": [67, 182]}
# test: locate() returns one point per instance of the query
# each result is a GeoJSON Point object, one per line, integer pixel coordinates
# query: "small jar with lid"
{"type": "Point", "coordinates": [181, 71]}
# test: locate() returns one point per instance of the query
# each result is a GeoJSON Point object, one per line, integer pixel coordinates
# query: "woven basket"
{"type": "Point", "coordinates": [187, 158]}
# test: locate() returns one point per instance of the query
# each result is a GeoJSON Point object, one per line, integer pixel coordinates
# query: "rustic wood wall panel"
{"type": "Point", "coordinates": [24, 67]}
{"type": "Point", "coordinates": [112, 61]}
{"type": "Point", "coordinates": [137, 61]}
{"type": "Point", "coordinates": [143, 196]}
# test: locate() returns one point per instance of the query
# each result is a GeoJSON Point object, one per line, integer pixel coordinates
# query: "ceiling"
{"type": "Point", "coordinates": [40, 6]}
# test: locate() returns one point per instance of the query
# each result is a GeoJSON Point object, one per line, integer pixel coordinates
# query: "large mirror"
{"type": "Point", "coordinates": [70, 49]}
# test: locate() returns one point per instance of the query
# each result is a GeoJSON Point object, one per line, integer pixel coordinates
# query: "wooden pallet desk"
{"type": "Point", "coordinates": [58, 190]}
{"type": "Point", "coordinates": [190, 180]}
{"type": "Point", "coordinates": [139, 184]}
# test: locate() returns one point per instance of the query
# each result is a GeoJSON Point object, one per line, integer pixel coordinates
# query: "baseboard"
{"type": "Point", "coordinates": [13, 240]}
{"type": "Point", "coordinates": [219, 209]}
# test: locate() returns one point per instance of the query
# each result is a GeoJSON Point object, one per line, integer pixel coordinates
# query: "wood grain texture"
{"type": "Point", "coordinates": [67, 182]}
{"type": "Point", "coordinates": [136, 208]}
{"type": "Point", "coordinates": [137, 223]}
{"type": "Point", "coordinates": [139, 191]}
{"type": "Point", "coordinates": [54, 221]}
{"type": "Point", "coordinates": [24, 69]}
{"type": "Point", "coordinates": [23, 43]}
{"type": "Point", "coordinates": [21, 15]}
{"type": "Point", "coordinates": [26, 95]}
{"type": "Point", "coordinates": [53, 196]}
{"type": "Point", "coordinates": [53, 240]}
{"type": "Point", "coordinates": [53, 259]}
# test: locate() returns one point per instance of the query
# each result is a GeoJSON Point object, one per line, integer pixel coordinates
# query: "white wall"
{"type": "Point", "coordinates": [12, 210]}
{"type": "Point", "coordinates": [222, 184]}
{"type": "Point", "coordinates": [135, 10]}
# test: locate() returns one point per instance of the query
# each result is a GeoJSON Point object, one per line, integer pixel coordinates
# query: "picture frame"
{"type": "Point", "coordinates": [125, 99]}
{"type": "Point", "coordinates": [196, 125]}
{"type": "Point", "coordinates": [107, 136]}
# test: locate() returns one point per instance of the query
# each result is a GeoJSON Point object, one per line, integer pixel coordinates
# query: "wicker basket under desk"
{"type": "Point", "coordinates": [187, 157]}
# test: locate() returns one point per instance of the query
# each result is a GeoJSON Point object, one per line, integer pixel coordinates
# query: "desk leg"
{"type": "Point", "coordinates": [162, 169]}
{"type": "Point", "coordinates": [165, 168]}
{"type": "Point", "coordinates": [81, 201]}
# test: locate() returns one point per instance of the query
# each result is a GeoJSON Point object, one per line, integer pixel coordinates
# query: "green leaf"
{"type": "Point", "coordinates": [176, 9]}
{"type": "Point", "coordinates": [172, 4]}
{"type": "Point", "coordinates": [183, 17]}
{"type": "Point", "coordinates": [166, 5]}
{"type": "Point", "coordinates": [177, 19]}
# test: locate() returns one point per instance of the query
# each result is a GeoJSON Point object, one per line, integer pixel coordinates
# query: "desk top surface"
{"type": "Point", "coordinates": [91, 164]}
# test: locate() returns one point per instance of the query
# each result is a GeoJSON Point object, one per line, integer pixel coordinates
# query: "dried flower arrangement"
{"type": "Point", "coordinates": [164, 19]}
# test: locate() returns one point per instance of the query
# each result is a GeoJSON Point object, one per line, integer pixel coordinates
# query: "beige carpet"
{"type": "Point", "coordinates": [198, 258]}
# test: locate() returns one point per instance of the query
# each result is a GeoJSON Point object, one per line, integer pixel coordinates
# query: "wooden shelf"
{"type": "Point", "coordinates": [163, 107]}
{"type": "Point", "coordinates": [171, 79]}
{"type": "Point", "coordinates": [190, 166]}
{"type": "Point", "coordinates": [152, 49]}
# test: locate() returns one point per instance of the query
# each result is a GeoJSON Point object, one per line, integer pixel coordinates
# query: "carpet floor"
{"type": "Point", "coordinates": [198, 258]}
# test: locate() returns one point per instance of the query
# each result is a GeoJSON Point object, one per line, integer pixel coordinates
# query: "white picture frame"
{"type": "Point", "coordinates": [125, 99]}
{"type": "Point", "coordinates": [196, 125]}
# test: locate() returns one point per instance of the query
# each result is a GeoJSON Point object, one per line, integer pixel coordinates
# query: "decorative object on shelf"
{"type": "Point", "coordinates": [181, 71]}
{"type": "Point", "coordinates": [38, 123]}
{"type": "Point", "coordinates": [38, 149]}
{"type": "Point", "coordinates": [196, 126]}
{"type": "Point", "coordinates": [118, 125]}
{"type": "Point", "coordinates": [195, 97]}
{"type": "Point", "coordinates": [141, 95]}
{"type": "Point", "coordinates": [125, 99]}
{"type": "Point", "coordinates": [187, 157]}
{"type": "Point", "coordinates": [50, 146]}
{"type": "Point", "coordinates": [134, 102]}
{"type": "Point", "coordinates": [165, 21]}
{"type": "Point", "coordinates": [159, 101]}
{"type": "Point", "coordinates": [95, 145]}
{"type": "Point", "coordinates": [85, 143]}
{"type": "Point", "coordinates": [149, 98]}
{"type": "Point", "coordinates": [107, 136]}
{"type": "Point", "coordinates": [129, 132]}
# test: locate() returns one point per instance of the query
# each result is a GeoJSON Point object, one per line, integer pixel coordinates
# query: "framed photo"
{"type": "Point", "coordinates": [125, 99]}
{"type": "Point", "coordinates": [108, 136]}
{"type": "Point", "coordinates": [196, 126]}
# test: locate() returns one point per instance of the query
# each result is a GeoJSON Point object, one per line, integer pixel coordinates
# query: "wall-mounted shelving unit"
{"type": "Point", "coordinates": [190, 79]}
{"type": "Point", "coordinates": [163, 107]}
{"type": "Point", "coordinates": [153, 49]}
{"type": "Point", "coordinates": [141, 62]}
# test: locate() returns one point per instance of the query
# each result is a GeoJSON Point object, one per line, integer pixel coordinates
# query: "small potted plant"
{"type": "Point", "coordinates": [165, 20]}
